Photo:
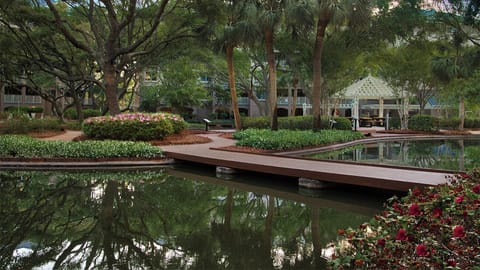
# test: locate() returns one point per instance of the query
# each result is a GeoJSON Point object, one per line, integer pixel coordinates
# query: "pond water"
{"type": "Point", "coordinates": [182, 218]}
{"type": "Point", "coordinates": [456, 155]}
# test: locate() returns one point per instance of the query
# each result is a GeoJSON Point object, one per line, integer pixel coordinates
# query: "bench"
{"type": "Point", "coordinates": [218, 123]}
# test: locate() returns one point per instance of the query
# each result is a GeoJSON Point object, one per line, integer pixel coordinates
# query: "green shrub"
{"type": "Point", "coordinates": [27, 147]}
{"type": "Point", "coordinates": [343, 123]}
{"type": "Point", "coordinates": [25, 109]}
{"type": "Point", "coordinates": [24, 125]}
{"type": "Point", "coordinates": [133, 127]}
{"type": "Point", "coordinates": [423, 123]}
{"type": "Point", "coordinates": [71, 113]}
{"type": "Point", "coordinates": [288, 139]}
{"type": "Point", "coordinates": [73, 125]}
{"type": "Point", "coordinates": [472, 123]}
{"type": "Point", "coordinates": [294, 123]}
{"type": "Point", "coordinates": [394, 123]}
{"type": "Point", "coordinates": [449, 123]}
{"type": "Point", "coordinates": [255, 122]}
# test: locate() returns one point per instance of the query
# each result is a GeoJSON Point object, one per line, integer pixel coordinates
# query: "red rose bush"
{"type": "Point", "coordinates": [434, 228]}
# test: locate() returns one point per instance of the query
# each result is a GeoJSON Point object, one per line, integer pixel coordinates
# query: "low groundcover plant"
{"type": "Point", "coordinates": [434, 228]}
{"type": "Point", "coordinates": [17, 146]}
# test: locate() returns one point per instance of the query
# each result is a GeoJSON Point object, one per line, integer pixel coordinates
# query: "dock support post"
{"type": "Point", "coordinates": [225, 170]}
{"type": "Point", "coordinates": [312, 183]}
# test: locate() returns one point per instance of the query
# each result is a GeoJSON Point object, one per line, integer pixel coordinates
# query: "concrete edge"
{"type": "Point", "coordinates": [87, 165]}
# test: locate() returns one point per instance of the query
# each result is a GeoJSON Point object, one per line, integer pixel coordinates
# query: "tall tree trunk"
{"type": "Point", "coordinates": [254, 98]}
{"type": "Point", "coordinates": [316, 238]}
{"type": "Point", "coordinates": [461, 113]}
{"type": "Point", "coordinates": [78, 107]}
{"type": "Point", "coordinates": [272, 79]}
{"type": "Point", "coordinates": [267, 234]}
{"type": "Point", "coordinates": [317, 69]}
{"type": "Point", "coordinates": [233, 89]}
{"type": "Point", "coordinates": [228, 211]}
{"type": "Point", "coordinates": [110, 85]}
{"type": "Point", "coordinates": [295, 95]}
{"type": "Point", "coordinates": [106, 221]}
{"type": "Point", "coordinates": [2, 94]}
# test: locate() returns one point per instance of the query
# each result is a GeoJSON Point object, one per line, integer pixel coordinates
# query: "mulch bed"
{"type": "Point", "coordinates": [185, 137]}
{"type": "Point", "coordinates": [45, 134]}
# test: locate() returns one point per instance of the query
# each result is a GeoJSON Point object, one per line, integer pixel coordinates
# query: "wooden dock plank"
{"type": "Point", "coordinates": [362, 175]}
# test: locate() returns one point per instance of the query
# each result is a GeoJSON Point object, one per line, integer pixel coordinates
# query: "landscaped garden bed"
{"type": "Point", "coordinates": [283, 140]}
{"type": "Point", "coordinates": [435, 228]}
{"type": "Point", "coordinates": [23, 147]}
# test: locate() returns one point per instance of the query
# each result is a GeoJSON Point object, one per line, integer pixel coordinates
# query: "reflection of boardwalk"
{"type": "Point", "coordinates": [361, 175]}
{"type": "Point", "coordinates": [340, 200]}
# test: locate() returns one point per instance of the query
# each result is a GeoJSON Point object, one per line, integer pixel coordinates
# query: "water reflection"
{"type": "Point", "coordinates": [156, 220]}
{"type": "Point", "coordinates": [456, 155]}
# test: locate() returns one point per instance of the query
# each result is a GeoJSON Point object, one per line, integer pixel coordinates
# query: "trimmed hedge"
{"type": "Point", "coordinates": [71, 113]}
{"type": "Point", "coordinates": [27, 147]}
{"type": "Point", "coordinates": [24, 125]}
{"type": "Point", "coordinates": [423, 123]}
{"type": "Point", "coordinates": [133, 126]}
{"type": "Point", "coordinates": [288, 139]}
{"type": "Point", "coordinates": [294, 123]}
{"type": "Point", "coordinates": [25, 109]}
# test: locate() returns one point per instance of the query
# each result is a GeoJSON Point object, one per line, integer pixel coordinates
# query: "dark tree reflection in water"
{"type": "Point", "coordinates": [153, 220]}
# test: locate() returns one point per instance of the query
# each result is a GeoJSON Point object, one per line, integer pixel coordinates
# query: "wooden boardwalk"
{"type": "Point", "coordinates": [399, 179]}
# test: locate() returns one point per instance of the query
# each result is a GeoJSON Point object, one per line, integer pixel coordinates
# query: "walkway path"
{"type": "Point", "coordinates": [68, 135]}
{"type": "Point", "coordinates": [353, 174]}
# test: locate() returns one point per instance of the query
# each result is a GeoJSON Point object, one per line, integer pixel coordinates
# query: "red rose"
{"type": "Point", "coordinates": [381, 242]}
{"type": "Point", "coordinates": [459, 199]}
{"type": "Point", "coordinates": [397, 208]}
{"type": "Point", "coordinates": [476, 189]}
{"type": "Point", "coordinates": [458, 231]}
{"type": "Point", "coordinates": [341, 231]}
{"type": "Point", "coordinates": [421, 250]}
{"type": "Point", "coordinates": [414, 210]}
{"type": "Point", "coordinates": [359, 262]}
{"type": "Point", "coordinates": [437, 213]}
{"type": "Point", "coordinates": [401, 235]}
{"type": "Point", "coordinates": [417, 192]}
{"type": "Point", "coordinates": [452, 262]}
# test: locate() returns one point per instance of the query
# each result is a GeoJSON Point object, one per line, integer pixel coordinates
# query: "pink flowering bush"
{"type": "Point", "coordinates": [434, 228]}
{"type": "Point", "coordinates": [133, 126]}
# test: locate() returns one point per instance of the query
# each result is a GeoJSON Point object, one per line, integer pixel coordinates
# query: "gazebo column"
{"type": "Point", "coordinates": [380, 111]}
{"type": "Point", "coordinates": [356, 112]}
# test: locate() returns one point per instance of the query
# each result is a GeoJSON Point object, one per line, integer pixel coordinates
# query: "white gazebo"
{"type": "Point", "coordinates": [369, 88]}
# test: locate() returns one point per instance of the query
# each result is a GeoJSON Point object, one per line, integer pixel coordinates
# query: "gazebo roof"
{"type": "Point", "coordinates": [369, 88]}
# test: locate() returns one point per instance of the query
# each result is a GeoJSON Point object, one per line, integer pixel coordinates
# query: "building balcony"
{"type": "Point", "coordinates": [19, 100]}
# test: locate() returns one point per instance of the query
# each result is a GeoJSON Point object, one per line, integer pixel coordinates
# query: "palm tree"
{"type": "Point", "coordinates": [236, 29]}
{"type": "Point", "coordinates": [456, 69]}
{"type": "Point", "coordinates": [331, 12]}
{"type": "Point", "coordinates": [269, 17]}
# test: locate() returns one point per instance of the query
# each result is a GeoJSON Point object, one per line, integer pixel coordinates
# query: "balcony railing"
{"type": "Point", "coordinates": [13, 99]}
{"type": "Point", "coordinates": [17, 99]}
{"type": "Point", "coordinates": [33, 99]}
{"type": "Point", "coordinates": [300, 100]}
{"type": "Point", "coordinates": [280, 101]}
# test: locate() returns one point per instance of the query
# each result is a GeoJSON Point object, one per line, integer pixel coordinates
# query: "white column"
{"type": "Point", "coordinates": [380, 111]}
{"type": "Point", "coordinates": [356, 111]}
